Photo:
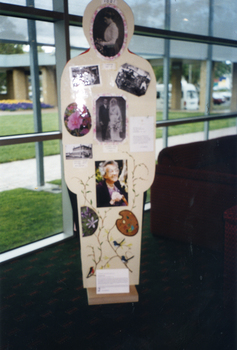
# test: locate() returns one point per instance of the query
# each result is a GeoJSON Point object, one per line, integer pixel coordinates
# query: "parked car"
{"type": "Point", "coordinates": [218, 98]}
{"type": "Point", "coordinates": [189, 98]}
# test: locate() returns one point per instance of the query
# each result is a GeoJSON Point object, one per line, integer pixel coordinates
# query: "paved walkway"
{"type": "Point", "coordinates": [23, 173]}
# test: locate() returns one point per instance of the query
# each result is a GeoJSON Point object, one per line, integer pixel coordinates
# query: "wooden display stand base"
{"type": "Point", "coordinates": [97, 299]}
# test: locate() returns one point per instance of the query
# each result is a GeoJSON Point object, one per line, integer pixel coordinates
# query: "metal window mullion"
{"type": "Point", "coordinates": [27, 138]}
{"type": "Point", "coordinates": [34, 69]}
{"type": "Point", "coordinates": [209, 72]}
{"type": "Point", "coordinates": [62, 44]}
{"type": "Point", "coordinates": [166, 73]}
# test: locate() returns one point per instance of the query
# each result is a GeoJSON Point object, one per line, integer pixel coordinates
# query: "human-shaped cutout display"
{"type": "Point", "coordinates": [108, 104]}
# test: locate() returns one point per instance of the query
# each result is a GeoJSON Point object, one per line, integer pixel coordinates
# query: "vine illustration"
{"type": "Point", "coordinates": [135, 179]}
{"type": "Point", "coordinates": [115, 246]}
{"type": "Point", "coordinates": [96, 255]}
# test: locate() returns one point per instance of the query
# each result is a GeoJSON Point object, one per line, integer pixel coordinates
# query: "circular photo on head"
{"type": "Point", "coordinates": [108, 32]}
{"type": "Point", "coordinates": [77, 119]}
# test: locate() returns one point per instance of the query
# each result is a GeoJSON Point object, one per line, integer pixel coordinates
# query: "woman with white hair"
{"type": "Point", "coordinates": [109, 191]}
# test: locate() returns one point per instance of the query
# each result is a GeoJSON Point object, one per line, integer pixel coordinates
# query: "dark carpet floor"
{"type": "Point", "coordinates": [44, 306]}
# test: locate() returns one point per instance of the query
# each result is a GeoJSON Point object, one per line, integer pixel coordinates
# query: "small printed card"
{"type": "Point", "coordinates": [142, 134]}
{"type": "Point", "coordinates": [111, 281]}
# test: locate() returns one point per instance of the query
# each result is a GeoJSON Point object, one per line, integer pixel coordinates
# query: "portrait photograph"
{"type": "Point", "coordinates": [108, 32]}
{"type": "Point", "coordinates": [110, 119]}
{"type": "Point", "coordinates": [111, 183]}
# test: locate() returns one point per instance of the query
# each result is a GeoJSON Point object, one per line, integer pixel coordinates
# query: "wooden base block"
{"type": "Point", "coordinates": [97, 299]}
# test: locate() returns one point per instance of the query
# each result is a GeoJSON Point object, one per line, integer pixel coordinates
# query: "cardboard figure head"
{"type": "Point", "coordinates": [108, 27]}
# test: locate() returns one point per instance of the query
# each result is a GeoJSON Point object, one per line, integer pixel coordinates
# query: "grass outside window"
{"type": "Point", "coordinates": [23, 123]}
{"type": "Point", "coordinates": [27, 216]}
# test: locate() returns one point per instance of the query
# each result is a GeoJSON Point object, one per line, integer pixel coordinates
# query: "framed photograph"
{"type": "Point", "coordinates": [79, 151]}
{"type": "Point", "coordinates": [77, 119]}
{"type": "Point", "coordinates": [111, 183]}
{"type": "Point", "coordinates": [108, 29]}
{"type": "Point", "coordinates": [110, 119]}
{"type": "Point", "coordinates": [85, 76]}
{"type": "Point", "coordinates": [133, 79]}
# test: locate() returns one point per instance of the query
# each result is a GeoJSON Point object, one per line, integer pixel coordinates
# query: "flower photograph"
{"type": "Point", "coordinates": [77, 120]}
{"type": "Point", "coordinates": [89, 220]}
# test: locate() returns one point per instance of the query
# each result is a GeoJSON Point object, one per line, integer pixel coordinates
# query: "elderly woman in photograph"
{"type": "Point", "coordinates": [109, 191]}
{"type": "Point", "coordinates": [115, 117]}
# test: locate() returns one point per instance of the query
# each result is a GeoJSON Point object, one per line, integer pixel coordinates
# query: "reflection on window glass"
{"type": "Point", "coordinates": [224, 19]}
{"type": "Point", "coordinates": [15, 2]}
{"type": "Point", "coordinates": [154, 11]}
{"type": "Point", "coordinates": [190, 16]}
{"type": "Point", "coordinates": [75, 9]}
{"type": "Point", "coordinates": [154, 17]}
{"type": "Point", "coordinates": [13, 28]}
{"type": "Point", "coordinates": [77, 38]}
{"type": "Point", "coordinates": [222, 53]}
{"type": "Point", "coordinates": [44, 4]}
{"type": "Point", "coordinates": [147, 47]}
{"type": "Point", "coordinates": [188, 50]}
{"type": "Point", "coordinates": [45, 32]}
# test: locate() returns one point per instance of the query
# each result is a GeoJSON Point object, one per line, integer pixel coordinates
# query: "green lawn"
{"type": "Point", "coordinates": [23, 123]}
{"type": "Point", "coordinates": [27, 216]}
{"type": "Point", "coordinates": [193, 127]}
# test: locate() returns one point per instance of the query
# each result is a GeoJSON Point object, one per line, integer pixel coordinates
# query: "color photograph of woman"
{"type": "Point", "coordinates": [111, 183]}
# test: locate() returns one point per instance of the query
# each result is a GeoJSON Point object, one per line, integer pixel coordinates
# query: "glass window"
{"type": "Point", "coordinates": [154, 11]}
{"type": "Point", "coordinates": [222, 53]}
{"type": "Point", "coordinates": [45, 32]}
{"type": "Point", "coordinates": [28, 212]}
{"type": "Point", "coordinates": [13, 28]}
{"type": "Point", "coordinates": [76, 8]}
{"type": "Point", "coordinates": [147, 47]}
{"type": "Point", "coordinates": [187, 50]}
{"type": "Point", "coordinates": [190, 16]}
{"type": "Point", "coordinates": [77, 38]}
{"type": "Point", "coordinates": [15, 2]}
{"type": "Point", "coordinates": [44, 4]}
{"type": "Point", "coordinates": [224, 19]}
{"type": "Point", "coordinates": [154, 17]}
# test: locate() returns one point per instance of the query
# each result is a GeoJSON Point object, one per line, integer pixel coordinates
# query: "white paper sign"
{"type": "Point", "coordinates": [142, 134]}
{"type": "Point", "coordinates": [111, 281]}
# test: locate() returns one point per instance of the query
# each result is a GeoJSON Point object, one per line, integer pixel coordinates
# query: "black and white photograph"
{"type": "Point", "coordinates": [79, 151]}
{"type": "Point", "coordinates": [108, 32]}
{"type": "Point", "coordinates": [111, 183]}
{"type": "Point", "coordinates": [132, 79]}
{"type": "Point", "coordinates": [110, 119]}
{"type": "Point", "coordinates": [85, 76]}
